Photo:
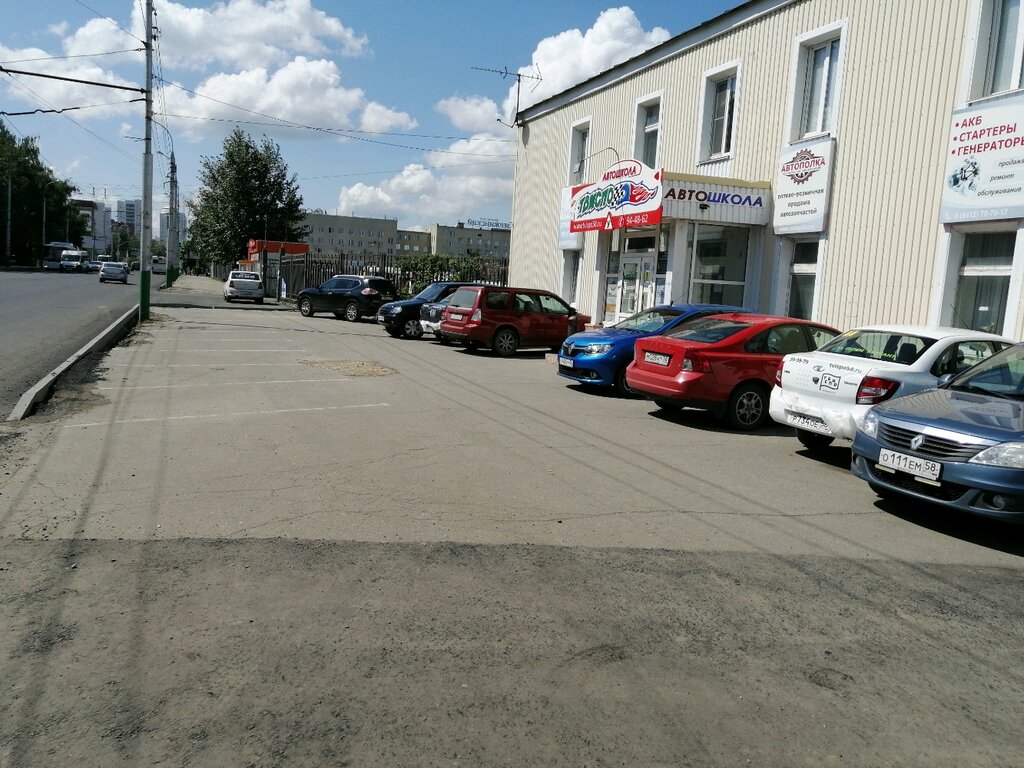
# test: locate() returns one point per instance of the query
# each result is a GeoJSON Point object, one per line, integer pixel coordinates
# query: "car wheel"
{"type": "Point", "coordinates": [392, 332]}
{"type": "Point", "coordinates": [470, 344]}
{"type": "Point", "coordinates": [227, 299]}
{"type": "Point", "coordinates": [812, 441]}
{"type": "Point", "coordinates": [442, 339]}
{"type": "Point", "coordinates": [748, 407]}
{"type": "Point", "coordinates": [621, 385]}
{"type": "Point", "coordinates": [259, 301]}
{"type": "Point", "coordinates": [412, 329]}
{"type": "Point", "coordinates": [668, 405]}
{"type": "Point", "coordinates": [306, 307]}
{"type": "Point", "coordinates": [505, 342]}
{"type": "Point", "coordinates": [352, 312]}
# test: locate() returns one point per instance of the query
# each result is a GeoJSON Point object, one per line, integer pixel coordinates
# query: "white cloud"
{"type": "Point", "coordinates": [377, 117]}
{"type": "Point", "coordinates": [571, 57]}
{"type": "Point", "coordinates": [472, 113]}
{"type": "Point", "coordinates": [236, 34]}
{"type": "Point", "coordinates": [59, 29]}
{"type": "Point", "coordinates": [302, 91]}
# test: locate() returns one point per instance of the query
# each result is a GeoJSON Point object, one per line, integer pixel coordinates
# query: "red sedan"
{"type": "Point", "coordinates": [722, 363]}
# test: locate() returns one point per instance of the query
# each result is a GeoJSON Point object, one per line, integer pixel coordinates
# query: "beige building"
{"type": "Point", "coordinates": [853, 161]}
{"type": "Point", "coordinates": [350, 235]}
{"type": "Point", "coordinates": [461, 240]}
{"type": "Point", "coordinates": [411, 242]}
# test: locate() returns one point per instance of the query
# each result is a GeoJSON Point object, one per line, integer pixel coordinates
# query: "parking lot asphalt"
{"type": "Point", "coordinates": [265, 539]}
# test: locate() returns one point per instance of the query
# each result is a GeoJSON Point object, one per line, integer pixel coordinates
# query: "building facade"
{"type": "Point", "coordinates": [411, 242]}
{"type": "Point", "coordinates": [461, 240]}
{"type": "Point", "coordinates": [130, 212]}
{"type": "Point", "coordinates": [852, 161]}
{"type": "Point", "coordinates": [165, 225]}
{"type": "Point", "coordinates": [350, 235]}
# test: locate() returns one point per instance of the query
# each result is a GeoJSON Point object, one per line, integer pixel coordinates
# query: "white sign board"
{"type": "Point", "coordinates": [803, 179]}
{"type": "Point", "coordinates": [567, 240]}
{"type": "Point", "coordinates": [708, 198]}
{"type": "Point", "coordinates": [627, 195]}
{"type": "Point", "coordinates": [984, 177]}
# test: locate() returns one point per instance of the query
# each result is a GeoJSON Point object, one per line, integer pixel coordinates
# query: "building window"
{"type": "Point", "coordinates": [570, 276]}
{"type": "Point", "coordinates": [648, 122]}
{"type": "Point", "coordinates": [821, 65]}
{"type": "Point", "coordinates": [983, 286]}
{"type": "Point", "coordinates": [578, 154]}
{"type": "Point", "coordinates": [802, 275]}
{"type": "Point", "coordinates": [1001, 48]}
{"type": "Point", "coordinates": [723, 100]}
{"type": "Point", "coordinates": [719, 264]}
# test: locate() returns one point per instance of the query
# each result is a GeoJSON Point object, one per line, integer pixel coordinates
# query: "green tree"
{"type": "Point", "coordinates": [33, 185]}
{"type": "Point", "coordinates": [246, 193]}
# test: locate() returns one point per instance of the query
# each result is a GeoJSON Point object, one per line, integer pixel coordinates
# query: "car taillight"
{"type": "Point", "coordinates": [694, 361]}
{"type": "Point", "coordinates": [231, 283]}
{"type": "Point", "coordinates": [778, 374]}
{"type": "Point", "coordinates": [369, 291]}
{"type": "Point", "coordinates": [875, 389]}
{"type": "Point", "coordinates": [477, 316]}
{"type": "Point", "coordinates": [260, 285]}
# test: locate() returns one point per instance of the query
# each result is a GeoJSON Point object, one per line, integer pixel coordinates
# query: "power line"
{"type": "Point", "coordinates": [24, 88]}
{"type": "Point", "coordinates": [68, 109]}
{"type": "Point", "coordinates": [96, 83]}
{"type": "Point", "coordinates": [72, 56]}
{"type": "Point", "coordinates": [107, 18]}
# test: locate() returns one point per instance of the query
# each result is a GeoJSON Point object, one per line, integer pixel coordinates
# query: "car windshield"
{"type": "Point", "coordinates": [431, 292]}
{"type": "Point", "coordinates": [649, 320]}
{"type": "Point", "coordinates": [893, 347]}
{"type": "Point", "coordinates": [707, 330]}
{"type": "Point", "coordinates": [1001, 375]}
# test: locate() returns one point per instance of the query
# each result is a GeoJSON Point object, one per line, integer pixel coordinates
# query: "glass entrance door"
{"type": "Point", "coordinates": [629, 287]}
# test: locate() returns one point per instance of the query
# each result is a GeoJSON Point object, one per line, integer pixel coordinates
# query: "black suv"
{"type": "Point", "coordinates": [349, 297]}
{"type": "Point", "coordinates": [402, 318]}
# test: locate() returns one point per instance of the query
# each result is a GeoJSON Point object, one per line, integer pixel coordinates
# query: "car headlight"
{"type": "Point", "coordinates": [1002, 455]}
{"type": "Point", "coordinates": [869, 425]}
{"type": "Point", "coordinates": [599, 349]}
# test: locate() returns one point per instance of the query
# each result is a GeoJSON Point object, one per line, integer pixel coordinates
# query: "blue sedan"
{"type": "Point", "coordinates": [959, 446]}
{"type": "Point", "coordinates": [601, 357]}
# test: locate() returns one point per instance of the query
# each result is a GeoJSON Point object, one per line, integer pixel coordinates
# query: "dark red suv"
{"type": "Point", "coordinates": [506, 319]}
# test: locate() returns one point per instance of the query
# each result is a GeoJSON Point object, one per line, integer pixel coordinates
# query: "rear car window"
{"type": "Point", "coordinates": [707, 330]}
{"type": "Point", "coordinates": [244, 276]}
{"type": "Point", "coordinates": [381, 284]}
{"type": "Point", "coordinates": [464, 298]}
{"type": "Point", "coordinates": [900, 348]}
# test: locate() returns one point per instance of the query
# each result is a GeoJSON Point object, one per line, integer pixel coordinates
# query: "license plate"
{"type": "Point", "coordinates": [457, 318]}
{"type": "Point", "coordinates": [808, 422]}
{"type": "Point", "coordinates": [912, 465]}
{"type": "Point", "coordinates": [566, 362]}
{"type": "Point", "coordinates": [656, 357]}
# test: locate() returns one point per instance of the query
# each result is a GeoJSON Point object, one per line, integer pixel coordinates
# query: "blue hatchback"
{"type": "Point", "coordinates": [961, 445]}
{"type": "Point", "coordinates": [601, 357]}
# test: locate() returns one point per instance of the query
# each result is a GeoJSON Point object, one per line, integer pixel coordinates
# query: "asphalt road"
{"type": "Point", "coordinates": [46, 318]}
{"type": "Point", "coordinates": [256, 539]}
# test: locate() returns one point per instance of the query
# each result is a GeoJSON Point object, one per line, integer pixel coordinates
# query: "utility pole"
{"type": "Point", "coordinates": [172, 237]}
{"type": "Point", "coordinates": [7, 246]}
{"type": "Point", "coordinates": [147, 177]}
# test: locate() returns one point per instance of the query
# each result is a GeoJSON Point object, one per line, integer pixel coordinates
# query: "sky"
{"type": "Point", "coordinates": [382, 109]}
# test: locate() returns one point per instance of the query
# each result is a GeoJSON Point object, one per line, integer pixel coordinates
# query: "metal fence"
{"type": "Point", "coordinates": [408, 275]}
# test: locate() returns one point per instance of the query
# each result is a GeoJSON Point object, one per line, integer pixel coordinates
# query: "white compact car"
{"type": "Point", "coordinates": [825, 394]}
{"type": "Point", "coordinates": [243, 285]}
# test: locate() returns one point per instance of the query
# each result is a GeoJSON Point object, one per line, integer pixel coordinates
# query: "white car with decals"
{"type": "Point", "coordinates": [825, 394]}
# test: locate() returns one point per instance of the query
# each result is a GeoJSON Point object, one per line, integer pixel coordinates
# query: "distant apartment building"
{"type": "Point", "coordinates": [411, 242]}
{"type": "Point", "coordinates": [130, 212]}
{"type": "Point", "coordinates": [165, 225]}
{"type": "Point", "coordinates": [97, 224]}
{"type": "Point", "coordinates": [461, 240]}
{"type": "Point", "coordinates": [350, 235]}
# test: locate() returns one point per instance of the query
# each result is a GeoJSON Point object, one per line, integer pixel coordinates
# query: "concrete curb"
{"type": "Point", "coordinates": [42, 389]}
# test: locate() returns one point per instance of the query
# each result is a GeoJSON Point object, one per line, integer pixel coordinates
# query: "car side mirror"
{"type": "Point", "coordinates": [944, 380]}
